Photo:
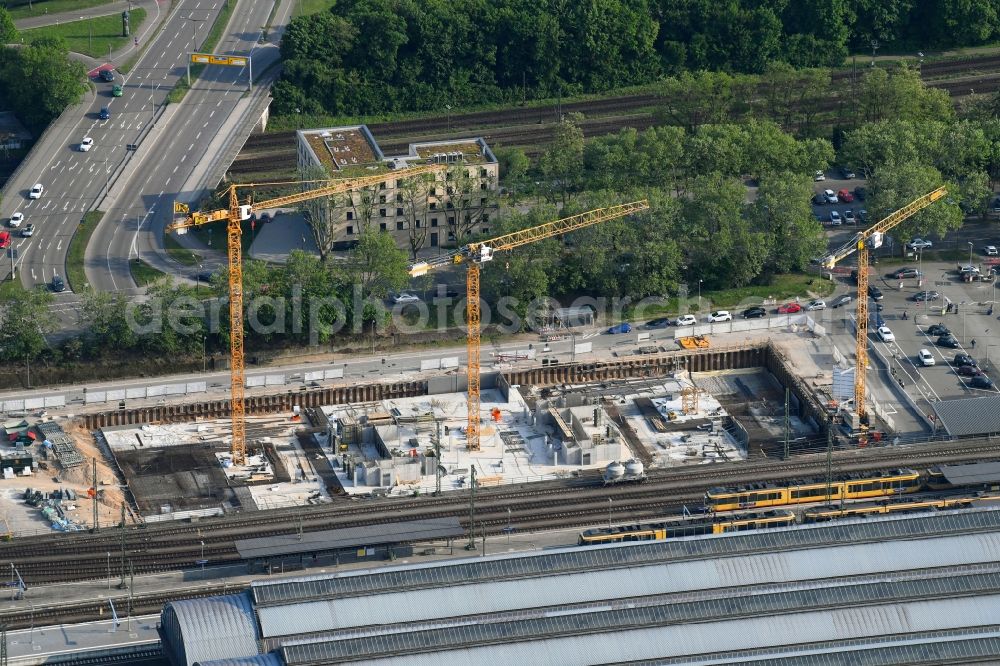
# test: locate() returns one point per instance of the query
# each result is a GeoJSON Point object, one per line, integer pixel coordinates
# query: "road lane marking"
{"type": "Point", "coordinates": [176, 167]}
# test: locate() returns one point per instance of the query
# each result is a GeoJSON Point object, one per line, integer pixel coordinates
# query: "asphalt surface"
{"type": "Point", "coordinates": [133, 226]}
{"type": "Point", "coordinates": [74, 180]}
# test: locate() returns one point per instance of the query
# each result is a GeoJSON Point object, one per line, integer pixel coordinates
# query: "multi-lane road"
{"type": "Point", "coordinates": [170, 143]}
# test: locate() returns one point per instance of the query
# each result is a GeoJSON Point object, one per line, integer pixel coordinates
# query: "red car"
{"type": "Point", "coordinates": [789, 308]}
{"type": "Point", "coordinates": [844, 196]}
{"type": "Point", "coordinates": [4, 239]}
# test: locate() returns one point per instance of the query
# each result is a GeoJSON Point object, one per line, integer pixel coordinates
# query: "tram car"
{"type": "Point", "coordinates": [862, 486]}
{"type": "Point", "coordinates": [982, 475]}
{"type": "Point", "coordinates": [681, 527]}
{"type": "Point", "coordinates": [820, 514]}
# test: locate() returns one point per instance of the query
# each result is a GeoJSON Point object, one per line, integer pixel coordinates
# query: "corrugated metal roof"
{"type": "Point", "coordinates": [615, 617]}
{"type": "Point", "coordinates": [795, 631]}
{"type": "Point", "coordinates": [269, 659]}
{"type": "Point", "coordinates": [352, 537]}
{"type": "Point", "coordinates": [972, 473]}
{"type": "Point", "coordinates": [210, 628]}
{"type": "Point", "coordinates": [543, 564]}
{"type": "Point", "coordinates": [969, 416]}
{"type": "Point", "coordinates": [415, 605]}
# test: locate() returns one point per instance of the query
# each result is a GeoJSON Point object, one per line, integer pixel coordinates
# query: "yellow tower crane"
{"type": "Point", "coordinates": [475, 254]}
{"type": "Point", "coordinates": [871, 238]}
{"type": "Point", "coordinates": [235, 215]}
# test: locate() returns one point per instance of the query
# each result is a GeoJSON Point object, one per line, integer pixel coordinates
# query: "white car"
{"type": "Point", "coordinates": [36, 191]}
{"type": "Point", "coordinates": [831, 196]}
{"type": "Point", "coordinates": [919, 244]}
{"type": "Point", "coordinates": [926, 358]}
{"type": "Point", "coordinates": [835, 218]}
{"type": "Point", "coordinates": [818, 176]}
{"type": "Point", "coordinates": [404, 297]}
{"type": "Point", "coordinates": [86, 144]}
{"type": "Point", "coordinates": [816, 305]}
{"type": "Point", "coordinates": [968, 268]}
{"type": "Point", "coordinates": [16, 219]}
{"type": "Point", "coordinates": [686, 320]}
{"type": "Point", "coordinates": [720, 315]}
{"type": "Point", "coordinates": [885, 335]}
{"type": "Point", "coordinates": [990, 250]}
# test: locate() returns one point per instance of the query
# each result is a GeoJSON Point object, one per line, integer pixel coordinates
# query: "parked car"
{"type": "Point", "coordinates": [968, 268]}
{"type": "Point", "coordinates": [919, 244]}
{"type": "Point", "coordinates": [964, 359]}
{"type": "Point", "coordinates": [968, 371]}
{"type": "Point", "coordinates": [116, 91]}
{"type": "Point", "coordinates": [948, 341]}
{"type": "Point", "coordinates": [863, 216]}
{"type": "Point", "coordinates": [16, 219]}
{"type": "Point", "coordinates": [107, 75]}
{"type": "Point", "coordinates": [686, 320]}
{"type": "Point", "coordinates": [789, 308]}
{"type": "Point", "coordinates": [874, 293]}
{"type": "Point", "coordinates": [847, 173]}
{"type": "Point", "coordinates": [623, 327]}
{"type": "Point", "coordinates": [845, 195]}
{"type": "Point", "coordinates": [831, 196]}
{"type": "Point", "coordinates": [105, 113]}
{"type": "Point", "coordinates": [720, 315]}
{"type": "Point", "coordinates": [990, 250]}
{"type": "Point", "coordinates": [849, 217]}
{"type": "Point", "coordinates": [843, 299]}
{"type": "Point", "coordinates": [819, 199]}
{"type": "Point", "coordinates": [981, 382]}
{"type": "Point", "coordinates": [926, 358]}
{"type": "Point", "coordinates": [405, 297]}
{"type": "Point", "coordinates": [938, 329]}
{"type": "Point", "coordinates": [58, 284]}
{"type": "Point", "coordinates": [661, 322]}
{"type": "Point", "coordinates": [926, 296]}
{"type": "Point", "coordinates": [816, 304]}
{"type": "Point", "coordinates": [36, 191]}
{"type": "Point", "coordinates": [755, 312]}
{"type": "Point", "coordinates": [86, 144]}
{"type": "Point", "coordinates": [885, 334]}
{"type": "Point", "coordinates": [904, 273]}
{"type": "Point", "coordinates": [4, 240]}
{"type": "Point", "coordinates": [835, 218]}
{"type": "Point", "coordinates": [861, 193]}
{"type": "Point", "coordinates": [28, 231]}
{"type": "Point", "coordinates": [818, 176]}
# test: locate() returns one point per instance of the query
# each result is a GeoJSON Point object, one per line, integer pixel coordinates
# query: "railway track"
{"type": "Point", "coordinates": [576, 502]}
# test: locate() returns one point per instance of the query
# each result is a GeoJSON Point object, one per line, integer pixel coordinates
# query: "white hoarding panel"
{"type": "Point", "coordinates": [642, 336]}
{"type": "Point", "coordinates": [117, 394]}
{"type": "Point", "coordinates": [274, 380]}
{"type": "Point", "coordinates": [132, 393]}
{"type": "Point", "coordinates": [95, 396]}
{"type": "Point", "coordinates": [430, 364]}
{"type": "Point", "coordinates": [34, 403]}
{"type": "Point", "coordinates": [255, 380]}
{"type": "Point", "coordinates": [175, 389]}
{"type": "Point", "coordinates": [449, 362]}
{"type": "Point", "coordinates": [197, 387]}
{"type": "Point", "coordinates": [13, 405]}
{"type": "Point", "coordinates": [334, 373]}
{"type": "Point", "coordinates": [55, 401]}
{"type": "Point", "coordinates": [313, 376]}
{"type": "Point", "coordinates": [583, 348]}
{"type": "Point", "coordinates": [153, 391]}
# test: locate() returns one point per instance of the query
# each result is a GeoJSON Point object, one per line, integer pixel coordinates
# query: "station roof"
{"type": "Point", "coordinates": [969, 416]}
{"type": "Point", "coordinates": [893, 586]}
{"type": "Point", "coordinates": [352, 537]}
{"type": "Point", "coordinates": [972, 473]}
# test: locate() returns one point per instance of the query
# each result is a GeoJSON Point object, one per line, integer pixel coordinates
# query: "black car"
{"type": "Point", "coordinates": [58, 284]}
{"type": "Point", "coordinates": [981, 381]}
{"type": "Point", "coordinates": [926, 296]}
{"type": "Point", "coordinates": [964, 359]}
{"type": "Point", "coordinates": [904, 273]}
{"type": "Point", "coordinates": [948, 341]}
{"type": "Point", "coordinates": [819, 199]}
{"type": "Point", "coordinates": [755, 312]}
{"type": "Point", "coordinates": [969, 371]}
{"type": "Point", "coordinates": [860, 193]}
{"type": "Point", "coordinates": [661, 322]}
{"type": "Point", "coordinates": [107, 75]}
{"type": "Point", "coordinates": [105, 113]}
{"type": "Point", "coordinates": [874, 292]}
{"type": "Point", "coordinates": [202, 277]}
{"type": "Point", "coordinates": [840, 300]}
{"type": "Point", "coordinates": [938, 329]}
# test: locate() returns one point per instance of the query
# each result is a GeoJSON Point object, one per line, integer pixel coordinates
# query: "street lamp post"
{"type": "Point", "coordinates": [109, 564]}
{"type": "Point", "coordinates": [448, 108]}
{"type": "Point", "coordinates": [970, 253]}
{"type": "Point", "coordinates": [508, 526]}
{"type": "Point", "coordinates": [699, 294]}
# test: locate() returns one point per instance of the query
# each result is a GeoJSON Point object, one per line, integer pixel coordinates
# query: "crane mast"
{"type": "Point", "coordinates": [234, 215]}
{"type": "Point", "coordinates": [474, 255]}
{"type": "Point", "coordinates": [871, 238]}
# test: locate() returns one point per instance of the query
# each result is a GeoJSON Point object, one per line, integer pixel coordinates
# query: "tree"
{"type": "Point", "coordinates": [895, 185]}
{"type": "Point", "coordinates": [362, 201]}
{"type": "Point", "coordinates": [514, 165]}
{"type": "Point", "coordinates": [377, 265]}
{"type": "Point", "coordinates": [107, 327]}
{"type": "Point", "coordinates": [975, 194]}
{"type": "Point", "coordinates": [414, 191]}
{"type": "Point", "coordinates": [8, 31]}
{"type": "Point", "coordinates": [321, 212]}
{"type": "Point", "coordinates": [695, 99]}
{"type": "Point", "coordinates": [902, 95]}
{"type": "Point", "coordinates": [40, 81]}
{"type": "Point", "coordinates": [562, 164]}
{"type": "Point", "coordinates": [782, 210]}
{"type": "Point", "coordinates": [24, 322]}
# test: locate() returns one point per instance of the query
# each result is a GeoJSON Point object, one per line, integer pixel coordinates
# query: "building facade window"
{"type": "Point", "coordinates": [399, 225]}
{"type": "Point", "coordinates": [382, 226]}
{"type": "Point", "coordinates": [350, 230]}
{"type": "Point", "coordinates": [399, 211]}
{"type": "Point", "coordinates": [434, 221]}
{"type": "Point", "coordinates": [381, 212]}
{"type": "Point", "coordinates": [350, 215]}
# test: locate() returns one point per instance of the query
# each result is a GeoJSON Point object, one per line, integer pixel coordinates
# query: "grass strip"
{"type": "Point", "coordinates": [46, 7]}
{"type": "Point", "coordinates": [75, 274]}
{"type": "Point", "coordinates": [94, 36]}
{"type": "Point", "coordinates": [179, 253]}
{"type": "Point", "coordinates": [143, 273]}
{"type": "Point", "coordinates": [10, 288]}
